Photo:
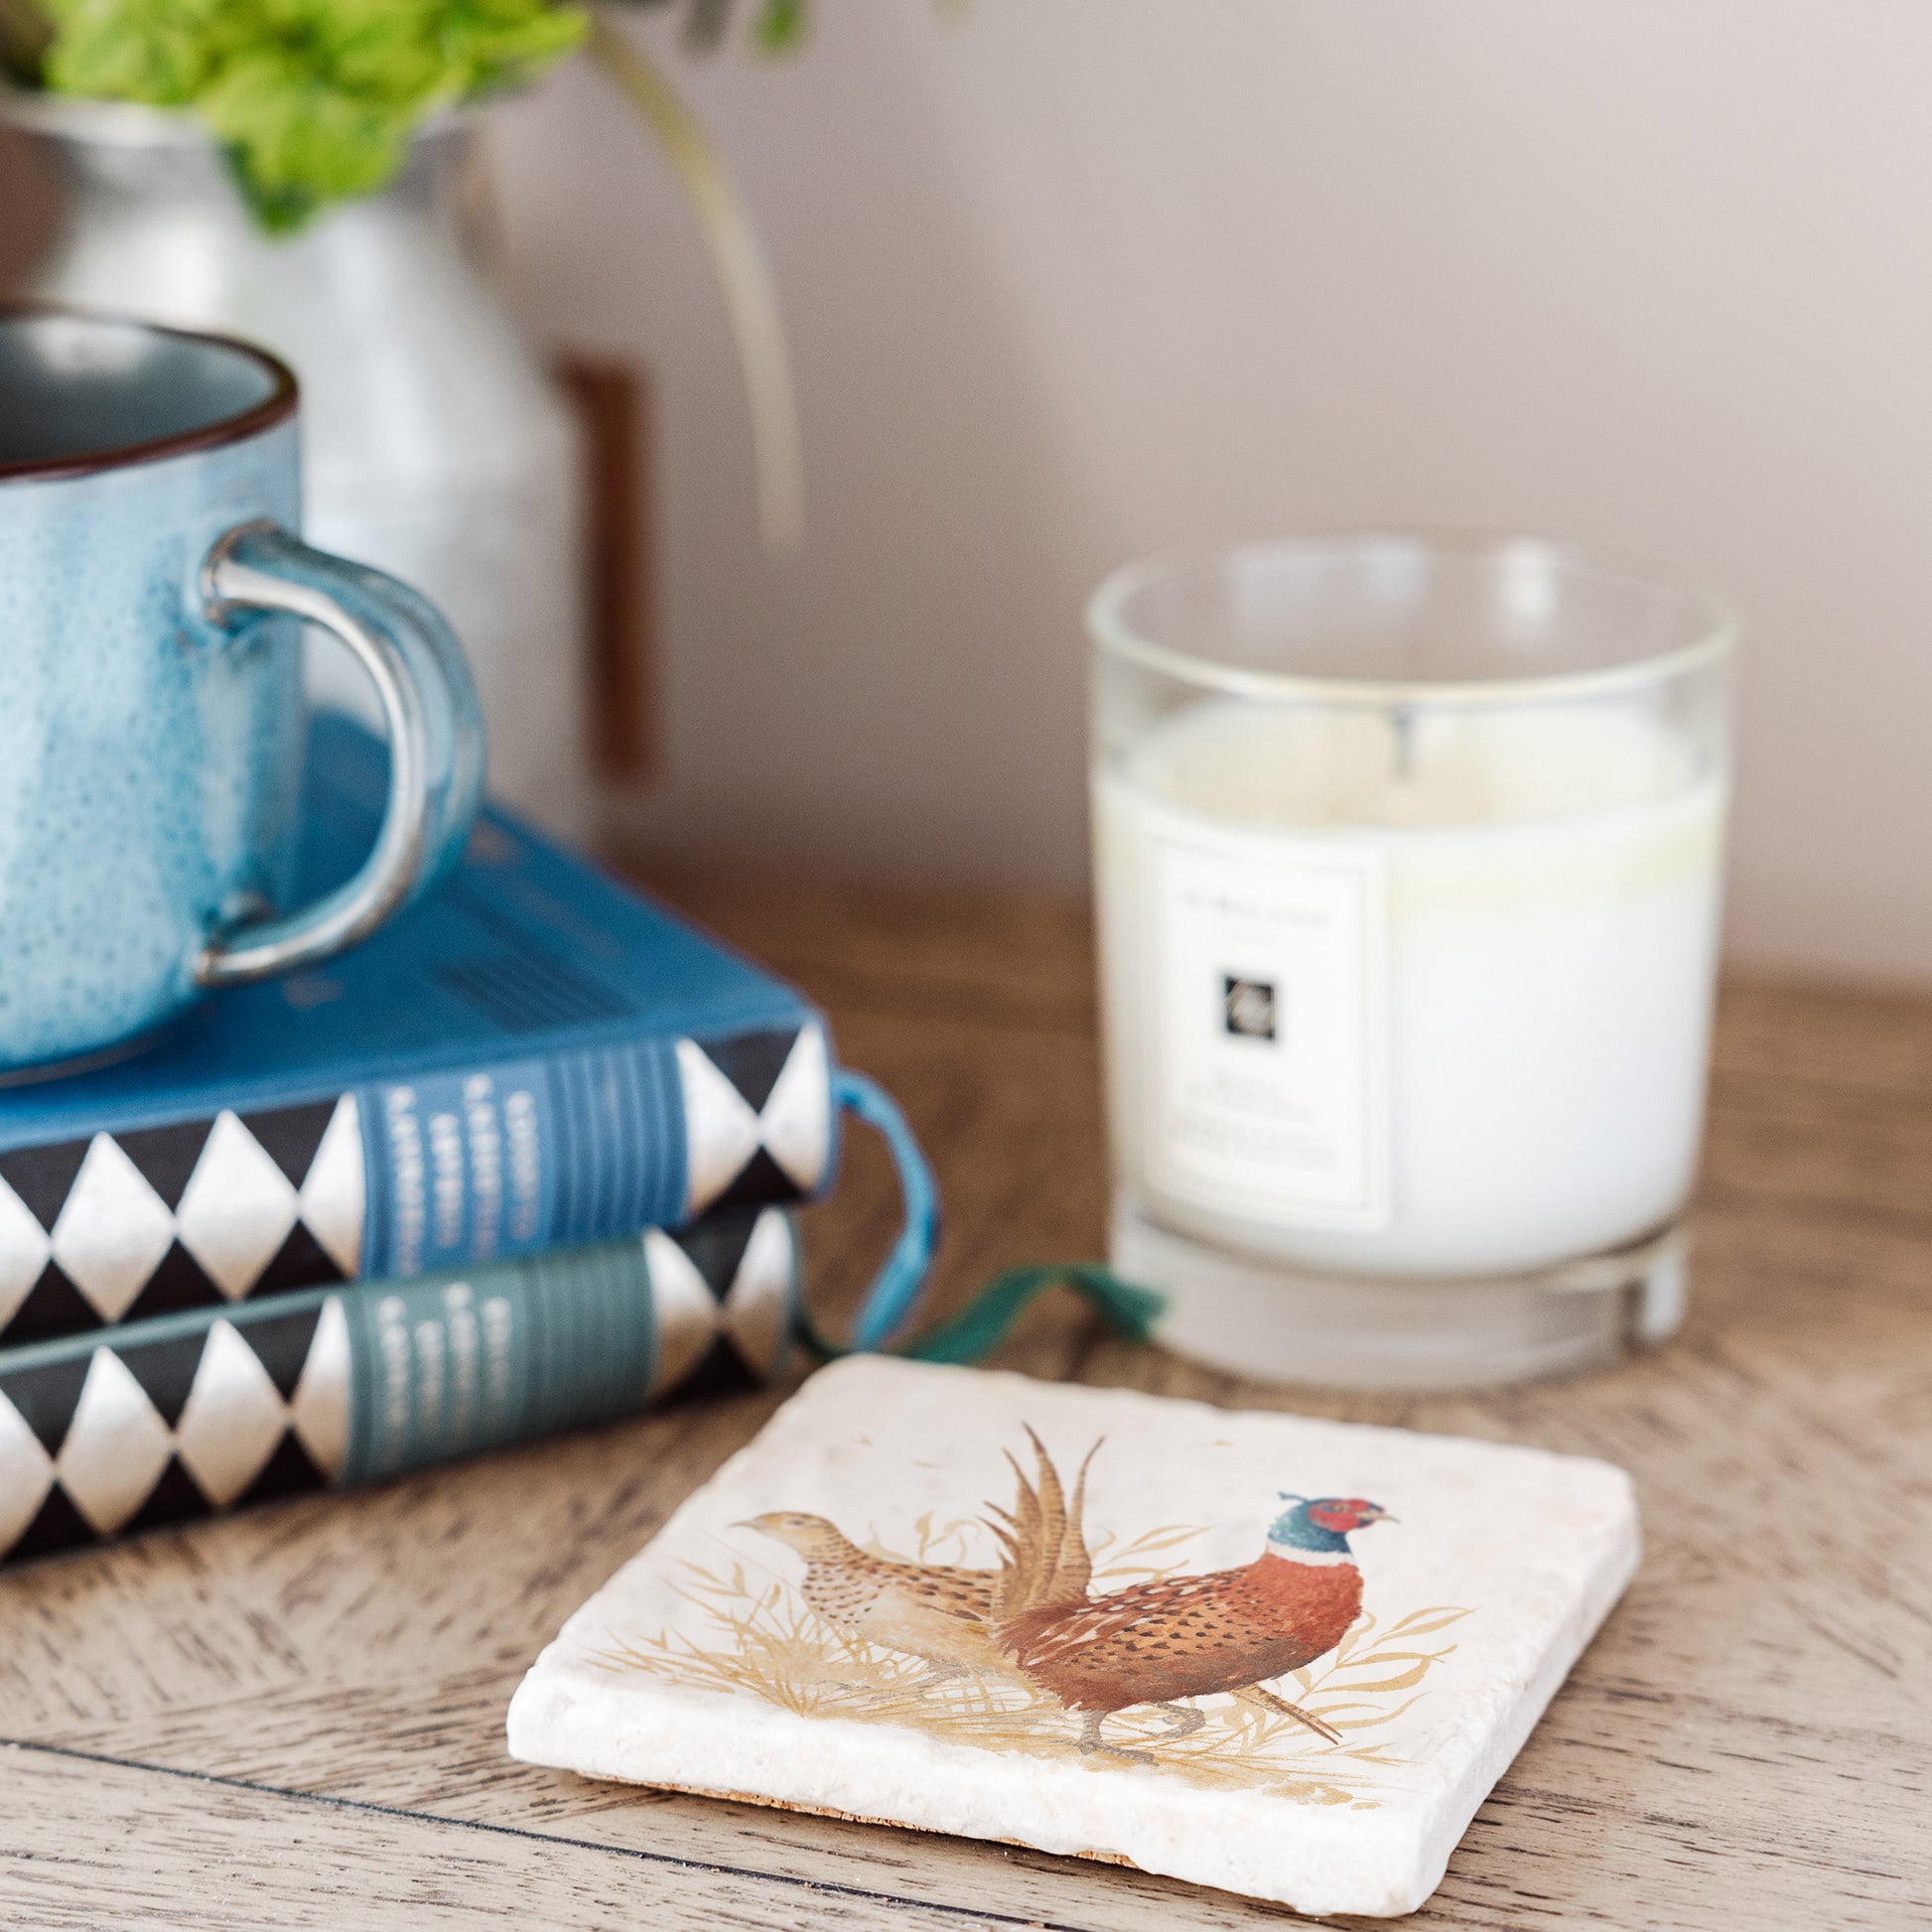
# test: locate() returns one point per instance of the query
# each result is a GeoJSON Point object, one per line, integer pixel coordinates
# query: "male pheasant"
{"type": "Point", "coordinates": [1192, 1637]}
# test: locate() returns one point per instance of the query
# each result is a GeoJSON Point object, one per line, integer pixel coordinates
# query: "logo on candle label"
{"type": "Point", "coordinates": [1265, 1060]}
{"type": "Point", "coordinates": [1248, 1008]}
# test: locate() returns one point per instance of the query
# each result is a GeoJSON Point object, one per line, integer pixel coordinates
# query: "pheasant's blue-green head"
{"type": "Point", "coordinates": [1319, 1525]}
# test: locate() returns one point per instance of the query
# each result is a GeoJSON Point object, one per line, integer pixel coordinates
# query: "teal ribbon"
{"type": "Point", "coordinates": [897, 1285]}
{"type": "Point", "coordinates": [982, 1324]}
{"type": "Point", "coordinates": [979, 1327]}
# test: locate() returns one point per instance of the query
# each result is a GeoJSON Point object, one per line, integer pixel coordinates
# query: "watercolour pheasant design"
{"type": "Point", "coordinates": [942, 1614]}
{"type": "Point", "coordinates": [1228, 1631]}
{"type": "Point", "coordinates": [1156, 1643]}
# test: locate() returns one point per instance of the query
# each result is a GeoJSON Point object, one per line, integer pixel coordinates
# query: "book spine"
{"type": "Point", "coordinates": [408, 1177]}
{"type": "Point", "coordinates": [198, 1413]}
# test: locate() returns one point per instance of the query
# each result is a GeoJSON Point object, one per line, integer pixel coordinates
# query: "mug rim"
{"type": "Point", "coordinates": [275, 407]}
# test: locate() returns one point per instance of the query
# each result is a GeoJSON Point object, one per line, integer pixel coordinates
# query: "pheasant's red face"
{"type": "Point", "coordinates": [1344, 1513]}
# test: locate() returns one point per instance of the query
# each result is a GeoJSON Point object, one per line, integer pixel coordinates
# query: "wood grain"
{"type": "Point", "coordinates": [296, 1717]}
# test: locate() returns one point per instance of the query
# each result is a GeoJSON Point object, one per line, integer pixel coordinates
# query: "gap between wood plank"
{"type": "Point", "coordinates": [634, 1852]}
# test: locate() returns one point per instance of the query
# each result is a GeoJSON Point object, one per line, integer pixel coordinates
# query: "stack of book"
{"type": "Point", "coordinates": [523, 1161]}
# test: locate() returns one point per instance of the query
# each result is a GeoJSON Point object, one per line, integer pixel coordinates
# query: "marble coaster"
{"type": "Point", "coordinates": [1281, 1656]}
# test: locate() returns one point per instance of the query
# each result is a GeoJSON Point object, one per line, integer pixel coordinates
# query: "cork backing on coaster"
{"type": "Point", "coordinates": [1281, 1656]}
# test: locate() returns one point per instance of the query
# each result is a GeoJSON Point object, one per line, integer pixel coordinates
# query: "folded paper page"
{"type": "Point", "coordinates": [1282, 1656]}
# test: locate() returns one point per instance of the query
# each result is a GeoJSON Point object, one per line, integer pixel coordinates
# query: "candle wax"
{"type": "Point", "coordinates": [1413, 995]}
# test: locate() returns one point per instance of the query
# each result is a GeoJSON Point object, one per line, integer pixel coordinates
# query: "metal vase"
{"type": "Point", "coordinates": [436, 445]}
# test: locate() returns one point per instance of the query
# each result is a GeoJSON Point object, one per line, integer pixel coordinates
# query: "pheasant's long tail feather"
{"type": "Point", "coordinates": [1018, 1533]}
{"type": "Point", "coordinates": [1052, 1510]}
{"type": "Point", "coordinates": [1255, 1693]}
{"type": "Point", "coordinates": [1043, 1556]}
{"type": "Point", "coordinates": [1073, 1573]}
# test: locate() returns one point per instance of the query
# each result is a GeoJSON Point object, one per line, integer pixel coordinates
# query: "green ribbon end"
{"type": "Point", "coordinates": [1129, 1309]}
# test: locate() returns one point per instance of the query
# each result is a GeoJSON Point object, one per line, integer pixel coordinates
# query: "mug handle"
{"type": "Point", "coordinates": [428, 709]}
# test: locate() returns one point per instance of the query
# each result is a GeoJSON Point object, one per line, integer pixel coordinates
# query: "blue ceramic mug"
{"type": "Point", "coordinates": [152, 720]}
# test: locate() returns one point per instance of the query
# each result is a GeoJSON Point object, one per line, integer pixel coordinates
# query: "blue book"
{"type": "Point", "coordinates": [214, 1409]}
{"type": "Point", "coordinates": [532, 1058]}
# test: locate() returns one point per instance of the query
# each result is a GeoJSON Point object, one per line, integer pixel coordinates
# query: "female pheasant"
{"type": "Point", "coordinates": [946, 1613]}
{"type": "Point", "coordinates": [938, 1612]}
{"type": "Point", "coordinates": [1192, 1637]}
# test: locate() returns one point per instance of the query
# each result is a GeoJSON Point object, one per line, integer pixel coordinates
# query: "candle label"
{"type": "Point", "coordinates": [1266, 1065]}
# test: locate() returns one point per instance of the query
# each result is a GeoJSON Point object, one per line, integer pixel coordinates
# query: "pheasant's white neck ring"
{"type": "Point", "coordinates": [1319, 1559]}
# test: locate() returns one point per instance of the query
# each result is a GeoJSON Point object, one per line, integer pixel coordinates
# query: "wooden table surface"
{"type": "Point", "coordinates": [295, 1716]}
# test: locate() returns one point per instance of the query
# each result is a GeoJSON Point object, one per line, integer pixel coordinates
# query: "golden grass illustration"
{"type": "Point", "coordinates": [759, 1639]}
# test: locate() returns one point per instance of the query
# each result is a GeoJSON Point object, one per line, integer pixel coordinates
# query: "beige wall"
{"type": "Point", "coordinates": [1071, 281]}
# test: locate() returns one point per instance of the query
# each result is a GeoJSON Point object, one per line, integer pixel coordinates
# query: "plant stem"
{"type": "Point", "coordinates": [742, 273]}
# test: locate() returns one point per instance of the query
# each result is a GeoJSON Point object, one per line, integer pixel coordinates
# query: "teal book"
{"type": "Point", "coordinates": [206, 1409]}
{"type": "Point", "coordinates": [534, 1058]}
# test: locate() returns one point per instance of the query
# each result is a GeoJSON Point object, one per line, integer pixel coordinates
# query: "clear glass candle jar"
{"type": "Point", "coordinates": [1408, 861]}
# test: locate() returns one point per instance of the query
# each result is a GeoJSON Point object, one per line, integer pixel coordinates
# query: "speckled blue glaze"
{"type": "Point", "coordinates": [150, 763]}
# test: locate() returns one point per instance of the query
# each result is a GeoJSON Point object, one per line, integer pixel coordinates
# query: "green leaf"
{"type": "Point", "coordinates": [780, 26]}
{"type": "Point", "coordinates": [159, 51]}
{"type": "Point", "coordinates": [494, 44]}
{"type": "Point", "coordinates": [316, 101]}
{"type": "Point", "coordinates": [298, 142]}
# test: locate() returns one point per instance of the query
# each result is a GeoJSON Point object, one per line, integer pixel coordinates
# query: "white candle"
{"type": "Point", "coordinates": [1423, 997]}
